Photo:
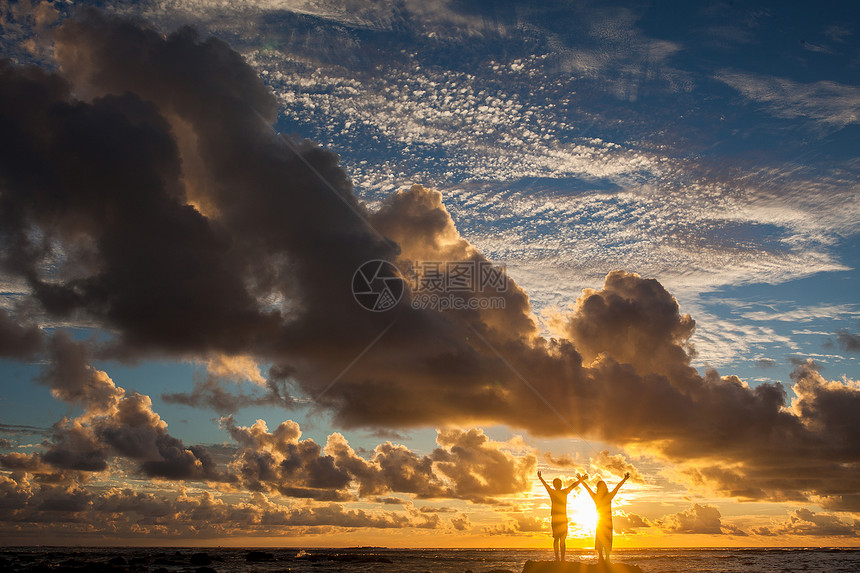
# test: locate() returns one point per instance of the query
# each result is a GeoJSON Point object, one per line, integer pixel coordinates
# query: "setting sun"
{"type": "Point", "coordinates": [582, 517]}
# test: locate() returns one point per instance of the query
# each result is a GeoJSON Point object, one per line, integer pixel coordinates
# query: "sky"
{"type": "Point", "coordinates": [339, 273]}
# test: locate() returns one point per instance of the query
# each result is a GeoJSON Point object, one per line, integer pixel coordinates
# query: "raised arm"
{"type": "Point", "coordinates": [614, 491]}
{"type": "Point", "coordinates": [585, 485]}
{"type": "Point", "coordinates": [569, 488]}
{"type": "Point", "coordinates": [540, 477]}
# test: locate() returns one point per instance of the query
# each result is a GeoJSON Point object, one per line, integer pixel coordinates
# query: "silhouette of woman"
{"type": "Point", "coordinates": [603, 502]}
{"type": "Point", "coordinates": [558, 512]}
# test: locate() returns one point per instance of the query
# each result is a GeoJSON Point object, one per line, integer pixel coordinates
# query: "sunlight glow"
{"type": "Point", "coordinates": [582, 516]}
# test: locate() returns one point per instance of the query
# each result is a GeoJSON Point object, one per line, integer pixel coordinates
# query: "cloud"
{"type": "Point", "coordinates": [212, 392]}
{"type": "Point", "coordinates": [113, 422]}
{"type": "Point", "coordinates": [461, 522]}
{"type": "Point", "coordinates": [467, 465]}
{"type": "Point", "coordinates": [616, 465]}
{"type": "Point", "coordinates": [239, 368]}
{"type": "Point", "coordinates": [228, 239]}
{"type": "Point", "coordinates": [21, 429]}
{"type": "Point", "coordinates": [516, 524]}
{"type": "Point", "coordinates": [30, 510]}
{"type": "Point", "coordinates": [805, 522]}
{"type": "Point", "coordinates": [698, 519]}
{"type": "Point", "coordinates": [18, 341]}
{"type": "Point", "coordinates": [848, 341]}
{"type": "Point", "coordinates": [829, 103]}
{"type": "Point", "coordinates": [116, 424]}
{"type": "Point", "coordinates": [805, 314]}
{"type": "Point", "coordinates": [478, 467]}
{"type": "Point", "coordinates": [279, 461]}
{"type": "Point", "coordinates": [824, 408]}
{"type": "Point", "coordinates": [563, 461]}
{"type": "Point", "coordinates": [628, 523]}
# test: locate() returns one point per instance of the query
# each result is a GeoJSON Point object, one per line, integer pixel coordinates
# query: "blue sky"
{"type": "Point", "coordinates": [712, 146]}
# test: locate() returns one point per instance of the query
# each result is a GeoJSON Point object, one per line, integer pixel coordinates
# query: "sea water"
{"type": "Point", "coordinates": [382, 560]}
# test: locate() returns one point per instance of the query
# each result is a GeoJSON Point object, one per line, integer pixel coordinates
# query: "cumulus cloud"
{"type": "Point", "coordinates": [698, 519]}
{"type": "Point", "coordinates": [461, 522]}
{"type": "Point", "coordinates": [113, 422]}
{"type": "Point", "coordinates": [280, 461]}
{"type": "Point", "coordinates": [802, 521]}
{"type": "Point", "coordinates": [616, 465]}
{"type": "Point", "coordinates": [517, 523]}
{"type": "Point", "coordinates": [467, 465]}
{"type": "Point", "coordinates": [116, 424]}
{"type": "Point", "coordinates": [627, 522]}
{"type": "Point", "coordinates": [145, 190]}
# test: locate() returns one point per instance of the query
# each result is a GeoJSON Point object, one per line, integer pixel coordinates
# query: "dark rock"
{"type": "Point", "coordinates": [205, 570]}
{"type": "Point", "coordinates": [43, 568]}
{"type": "Point", "coordinates": [257, 556]}
{"type": "Point", "coordinates": [118, 560]}
{"type": "Point", "coordinates": [200, 559]}
{"type": "Point", "coordinates": [577, 567]}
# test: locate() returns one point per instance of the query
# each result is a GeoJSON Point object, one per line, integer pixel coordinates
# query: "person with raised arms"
{"type": "Point", "coordinates": [558, 512]}
{"type": "Point", "coordinates": [603, 502]}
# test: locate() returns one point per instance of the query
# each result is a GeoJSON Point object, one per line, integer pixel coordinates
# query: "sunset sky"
{"type": "Point", "coordinates": [664, 195]}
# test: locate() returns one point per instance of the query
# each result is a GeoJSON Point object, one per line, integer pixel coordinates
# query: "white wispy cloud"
{"type": "Point", "coordinates": [828, 102]}
{"type": "Point", "coordinates": [804, 314]}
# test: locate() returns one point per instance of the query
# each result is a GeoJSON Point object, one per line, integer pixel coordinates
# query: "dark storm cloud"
{"type": "Point", "coordinates": [806, 362]}
{"type": "Point", "coordinates": [16, 340]}
{"type": "Point", "coordinates": [280, 461]}
{"type": "Point", "coordinates": [466, 465]}
{"type": "Point", "coordinates": [144, 189]}
{"type": "Point", "coordinates": [212, 393]}
{"type": "Point", "coordinates": [848, 342]}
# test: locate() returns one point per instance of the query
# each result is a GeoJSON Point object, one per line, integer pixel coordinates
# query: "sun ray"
{"type": "Point", "coordinates": [581, 514]}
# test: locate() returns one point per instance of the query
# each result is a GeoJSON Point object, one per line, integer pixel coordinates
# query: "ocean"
{"type": "Point", "coordinates": [381, 560]}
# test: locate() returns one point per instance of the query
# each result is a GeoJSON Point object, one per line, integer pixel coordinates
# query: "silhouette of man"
{"type": "Point", "coordinates": [558, 512]}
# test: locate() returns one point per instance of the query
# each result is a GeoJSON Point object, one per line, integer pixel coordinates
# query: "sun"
{"type": "Point", "coordinates": [581, 514]}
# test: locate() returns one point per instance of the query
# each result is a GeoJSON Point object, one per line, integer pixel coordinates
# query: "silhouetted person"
{"type": "Point", "coordinates": [558, 512]}
{"type": "Point", "coordinates": [603, 502]}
